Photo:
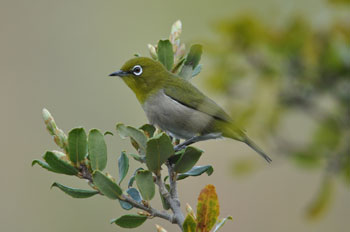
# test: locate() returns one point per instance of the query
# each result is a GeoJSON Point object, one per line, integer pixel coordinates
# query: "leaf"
{"type": "Point", "coordinates": [135, 134]}
{"type": "Point", "coordinates": [190, 224]}
{"type": "Point", "coordinates": [192, 60]}
{"type": "Point", "coordinates": [43, 165]}
{"type": "Point", "coordinates": [132, 179]}
{"type": "Point", "coordinates": [125, 205]}
{"type": "Point", "coordinates": [197, 70]}
{"type": "Point", "coordinates": [221, 223]}
{"type": "Point", "coordinates": [77, 145]}
{"type": "Point", "coordinates": [187, 160]}
{"type": "Point", "coordinates": [97, 150]}
{"type": "Point", "coordinates": [137, 158]}
{"type": "Point", "coordinates": [159, 149]}
{"type": "Point", "coordinates": [196, 171]}
{"type": "Point", "coordinates": [145, 183]}
{"type": "Point", "coordinates": [108, 133]}
{"type": "Point", "coordinates": [134, 194]}
{"type": "Point", "coordinates": [58, 164]}
{"type": "Point", "coordinates": [148, 129]}
{"type": "Point", "coordinates": [207, 209]}
{"type": "Point", "coordinates": [130, 220]}
{"type": "Point", "coordinates": [165, 53]}
{"type": "Point", "coordinates": [123, 166]}
{"type": "Point", "coordinates": [74, 192]}
{"type": "Point", "coordinates": [106, 185]}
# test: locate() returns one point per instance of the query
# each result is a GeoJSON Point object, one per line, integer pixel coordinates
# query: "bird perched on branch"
{"type": "Point", "coordinates": [177, 107]}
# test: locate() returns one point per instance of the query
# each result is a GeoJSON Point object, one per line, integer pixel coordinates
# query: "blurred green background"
{"type": "Point", "coordinates": [58, 54]}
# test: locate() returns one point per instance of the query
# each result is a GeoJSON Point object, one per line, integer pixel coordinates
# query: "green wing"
{"type": "Point", "coordinates": [186, 94]}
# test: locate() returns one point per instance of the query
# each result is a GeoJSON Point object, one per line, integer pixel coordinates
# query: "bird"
{"type": "Point", "coordinates": [177, 107]}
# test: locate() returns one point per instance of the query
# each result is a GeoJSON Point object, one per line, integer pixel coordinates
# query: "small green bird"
{"type": "Point", "coordinates": [177, 107]}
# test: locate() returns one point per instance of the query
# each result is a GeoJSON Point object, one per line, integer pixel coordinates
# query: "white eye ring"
{"type": "Point", "coordinates": [137, 70]}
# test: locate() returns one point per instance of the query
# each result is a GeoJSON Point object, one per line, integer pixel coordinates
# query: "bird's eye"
{"type": "Point", "coordinates": [137, 70]}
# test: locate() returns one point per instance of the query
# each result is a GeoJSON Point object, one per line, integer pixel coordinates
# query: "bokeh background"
{"type": "Point", "coordinates": [58, 54]}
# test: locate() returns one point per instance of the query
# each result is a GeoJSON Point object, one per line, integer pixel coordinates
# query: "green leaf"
{"type": "Point", "coordinates": [148, 129]}
{"type": "Point", "coordinates": [58, 164]}
{"type": "Point", "coordinates": [132, 179]}
{"type": "Point", "coordinates": [192, 60]}
{"type": "Point", "coordinates": [77, 145]}
{"type": "Point", "coordinates": [107, 186]}
{"type": "Point", "coordinates": [43, 165]}
{"type": "Point", "coordinates": [159, 149]}
{"type": "Point", "coordinates": [108, 133]}
{"type": "Point", "coordinates": [97, 150]}
{"type": "Point", "coordinates": [74, 192]}
{"type": "Point", "coordinates": [165, 53]}
{"type": "Point", "coordinates": [137, 158]}
{"type": "Point", "coordinates": [137, 135]}
{"type": "Point", "coordinates": [221, 223]}
{"type": "Point", "coordinates": [207, 209]}
{"type": "Point", "coordinates": [187, 160]}
{"type": "Point", "coordinates": [123, 166]}
{"type": "Point", "coordinates": [145, 183]}
{"type": "Point", "coordinates": [196, 171]}
{"type": "Point", "coordinates": [130, 220]}
{"type": "Point", "coordinates": [190, 224]}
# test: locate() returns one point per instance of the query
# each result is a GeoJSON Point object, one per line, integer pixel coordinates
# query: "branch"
{"type": "Point", "coordinates": [174, 203]}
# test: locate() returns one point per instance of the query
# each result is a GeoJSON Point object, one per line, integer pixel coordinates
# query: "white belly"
{"type": "Point", "coordinates": [180, 121]}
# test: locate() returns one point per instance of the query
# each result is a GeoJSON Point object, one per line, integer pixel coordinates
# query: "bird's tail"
{"type": "Point", "coordinates": [256, 148]}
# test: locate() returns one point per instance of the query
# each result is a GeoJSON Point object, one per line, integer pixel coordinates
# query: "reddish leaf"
{"type": "Point", "coordinates": [207, 209]}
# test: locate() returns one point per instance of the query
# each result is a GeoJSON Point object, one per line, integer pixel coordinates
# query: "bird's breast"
{"type": "Point", "coordinates": [179, 120]}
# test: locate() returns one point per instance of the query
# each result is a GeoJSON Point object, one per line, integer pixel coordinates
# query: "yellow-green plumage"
{"type": "Point", "coordinates": [176, 106]}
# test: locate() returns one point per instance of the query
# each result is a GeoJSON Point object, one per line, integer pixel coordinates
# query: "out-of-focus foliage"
{"type": "Point", "coordinates": [269, 73]}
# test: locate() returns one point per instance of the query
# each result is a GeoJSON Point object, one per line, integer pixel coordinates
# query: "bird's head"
{"type": "Point", "coordinates": [143, 75]}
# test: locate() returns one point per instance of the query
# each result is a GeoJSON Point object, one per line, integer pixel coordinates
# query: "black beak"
{"type": "Point", "coordinates": [119, 73]}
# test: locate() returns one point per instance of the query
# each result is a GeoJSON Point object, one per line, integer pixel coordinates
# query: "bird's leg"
{"type": "Point", "coordinates": [195, 139]}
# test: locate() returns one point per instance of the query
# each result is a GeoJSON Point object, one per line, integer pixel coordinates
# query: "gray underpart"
{"type": "Point", "coordinates": [180, 121]}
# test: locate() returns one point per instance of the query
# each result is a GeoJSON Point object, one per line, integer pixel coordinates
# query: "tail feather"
{"type": "Point", "coordinates": [256, 148]}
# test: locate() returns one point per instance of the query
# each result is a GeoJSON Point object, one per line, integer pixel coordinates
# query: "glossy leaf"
{"type": "Point", "coordinates": [187, 160]}
{"type": "Point", "coordinates": [197, 70]}
{"type": "Point", "coordinates": [137, 135]}
{"type": "Point", "coordinates": [221, 223]}
{"type": "Point", "coordinates": [159, 149]}
{"type": "Point", "coordinates": [207, 209]}
{"type": "Point", "coordinates": [107, 186]}
{"type": "Point", "coordinates": [148, 129]}
{"type": "Point", "coordinates": [130, 220]}
{"type": "Point", "coordinates": [58, 164]}
{"type": "Point", "coordinates": [74, 192]}
{"type": "Point", "coordinates": [190, 224]}
{"type": "Point", "coordinates": [77, 145]}
{"type": "Point", "coordinates": [196, 171]}
{"type": "Point", "coordinates": [43, 165]}
{"type": "Point", "coordinates": [97, 150]}
{"type": "Point", "coordinates": [165, 53]}
{"type": "Point", "coordinates": [145, 183]}
{"type": "Point", "coordinates": [123, 166]}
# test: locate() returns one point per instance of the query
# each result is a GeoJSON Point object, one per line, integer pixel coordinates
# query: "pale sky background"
{"type": "Point", "coordinates": [58, 54]}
